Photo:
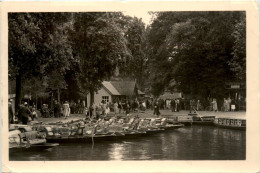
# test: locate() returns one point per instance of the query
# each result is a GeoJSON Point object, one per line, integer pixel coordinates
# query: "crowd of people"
{"type": "Point", "coordinates": [118, 107]}
{"type": "Point", "coordinates": [27, 113]}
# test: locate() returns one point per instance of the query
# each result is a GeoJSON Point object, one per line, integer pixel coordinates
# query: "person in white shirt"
{"type": "Point", "coordinates": [66, 109]}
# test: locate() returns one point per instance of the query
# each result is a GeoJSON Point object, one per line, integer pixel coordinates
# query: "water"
{"type": "Point", "coordinates": [188, 143]}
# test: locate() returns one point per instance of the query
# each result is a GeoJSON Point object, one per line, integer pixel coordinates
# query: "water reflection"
{"type": "Point", "coordinates": [189, 143]}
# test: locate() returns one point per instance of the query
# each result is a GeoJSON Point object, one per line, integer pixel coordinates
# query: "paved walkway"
{"type": "Point", "coordinates": [149, 114]}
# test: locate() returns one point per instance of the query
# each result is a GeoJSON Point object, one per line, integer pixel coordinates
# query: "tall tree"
{"type": "Point", "coordinates": [133, 66]}
{"type": "Point", "coordinates": [99, 43]}
{"type": "Point", "coordinates": [194, 49]}
{"type": "Point", "coordinates": [37, 46]}
{"type": "Point", "coordinates": [238, 61]}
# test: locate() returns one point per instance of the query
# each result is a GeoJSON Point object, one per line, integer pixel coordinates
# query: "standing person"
{"type": "Point", "coordinates": [24, 113]}
{"type": "Point", "coordinates": [137, 105]}
{"type": "Point", "coordinates": [233, 106]}
{"type": "Point", "coordinates": [225, 105]}
{"type": "Point", "coordinates": [103, 106]}
{"type": "Point", "coordinates": [147, 104]}
{"type": "Point", "coordinates": [173, 105]}
{"type": "Point", "coordinates": [144, 105]}
{"type": "Point", "coordinates": [215, 105]}
{"type": "Point", "coordinates": [191, 105]}
{"type": "Point", "coordinates": [156, 109]}
{"type": "Point", "coordinates": [127, 108]}
{"type": "Point", "coordinates": [107, 110]}
{"type": "Point", "coordinates": [229, 103]}
{"type": "Point", "coordinates": [57, 109]}
{"type": "Point", "coordinates": [116, 108]}
{"type": "Point", "coordinates": [34, 113]}
{"type": "Point", "coordinates": [151, 104]}
{"type": "Point", "coordinates": [198, 105]}
{"type": "Point", "coordinates": [82, 107]}
{"type": "Point", "coordinates": [66, 109]}
{"type": "Point", "coordinates": [72, 107]}
{"type": "Point", "coordinates": [10, 112]}
{"type": "Point", "coordinates": [99, 111]}
{"type": "Point", "coordinates": [120, 107]}
{"type": "Point", "coordinates": [177, 105]}
{"type": "Point", "coordinates": [94, 112]}
{"type": "Point", "coordinates": [86, 111]}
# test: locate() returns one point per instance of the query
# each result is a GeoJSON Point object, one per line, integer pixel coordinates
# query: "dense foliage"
{"type": "Point", "coordinates": [194, 52]}
{"type": "Point", "coordinates": [37, 46]}
{"type": "Point", "coordinates": [200, 51]}
{"type": "Point", "coordinates": [81, 49]}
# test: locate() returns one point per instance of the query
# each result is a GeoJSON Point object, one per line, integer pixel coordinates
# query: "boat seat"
{"type": "Point", "coordinates": [64, 131]}
{"type": "Point", "coordinates": [14, 137]}
{"type": "Point", "coordinates": [31, 137]}
{"type": "Point", "coordinates": [115, 128]}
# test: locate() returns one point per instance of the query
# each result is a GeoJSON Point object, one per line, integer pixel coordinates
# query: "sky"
{"type": "Point", "coordinates": [140, 14]}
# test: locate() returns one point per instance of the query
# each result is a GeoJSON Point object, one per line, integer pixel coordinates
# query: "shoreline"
{"type": "Point", "coordinates": [149, 114]}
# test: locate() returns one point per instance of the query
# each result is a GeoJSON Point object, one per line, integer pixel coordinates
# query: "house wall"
{"type": "Point", "coordinates": [98, 96]}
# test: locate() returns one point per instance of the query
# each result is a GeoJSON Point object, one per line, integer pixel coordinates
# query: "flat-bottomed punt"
{"type": "Point", "coordinates": [25, 139]}
{"type": "Point", "coordinates": [231, 123]}
{"type": "Point", "coordinates": [203, 120]}
{"type": "Point", "coordinates": [106, 130]}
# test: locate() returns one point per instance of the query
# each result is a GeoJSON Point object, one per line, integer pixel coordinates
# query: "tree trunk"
{"type": "Point", "coordinates": [58, 95]}
{"type": "Point", "coordinates": [36, 101]}
{"type": "Point", "coordinates": [18, 91]}
{"type": "Point", "coordinates": [91, 97]}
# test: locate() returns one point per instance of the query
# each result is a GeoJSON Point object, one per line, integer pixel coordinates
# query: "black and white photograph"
{"type": "Point", "coordinates": [120, 85]}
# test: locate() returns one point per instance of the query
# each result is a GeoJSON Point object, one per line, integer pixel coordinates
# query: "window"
{"type": "Point", "coordinates": [105, 99]}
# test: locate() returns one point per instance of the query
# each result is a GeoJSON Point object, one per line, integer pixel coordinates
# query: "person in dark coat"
{"type": "Point", "coordinates": [120, 107]}
{"type": "Point", "coordinates": [10, 112]}
{"type": "Point", "coordinates": [127, 109]}
{"type": "Point", "coordinates": [191, 105]}
{"type": "Point", "coordinates": [24, 113]}
{"type": "Point", "coordinates": [156, 109]}
{"type": "Point", "coordinates": [57, 109]}
{"type": "Point", "coordinates": [173, 105]}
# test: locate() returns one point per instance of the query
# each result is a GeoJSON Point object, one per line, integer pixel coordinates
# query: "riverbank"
{"type": "Point", "coordinates": [149, 114]}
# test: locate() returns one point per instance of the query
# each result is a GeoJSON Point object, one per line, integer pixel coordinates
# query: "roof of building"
{"type": "Point", "coordinates": [110, 88]}
{"type": "Point", "coordinates": [125, 87]}
{"type": "Point", "coordinates": [122, 87]}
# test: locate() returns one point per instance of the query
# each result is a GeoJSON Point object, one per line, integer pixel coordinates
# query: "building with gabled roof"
{"type": "Point", "coordinates": [119, 90]}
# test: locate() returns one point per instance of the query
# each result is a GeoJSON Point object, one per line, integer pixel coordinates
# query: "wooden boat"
{"type": "Point", "coordinates": [203, 120]}
{"type": "Point", "coordinates": [149, 126]}
{"type": "Point", "coordinates": [184, 119]}
{"type": "Point", "coordinates": [231, 123]}
{"type": "Point", "coordinates": [27, 140]}
{"type": "Point", "coordinates": [167, 124]}
{"type": "Point", "coordinates": [105, 130]}
{"type": "Point", "coordinates": [89, 134]}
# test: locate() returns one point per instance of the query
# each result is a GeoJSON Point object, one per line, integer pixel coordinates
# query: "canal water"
{"type": "Point", "coordinates": [188, 143]}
